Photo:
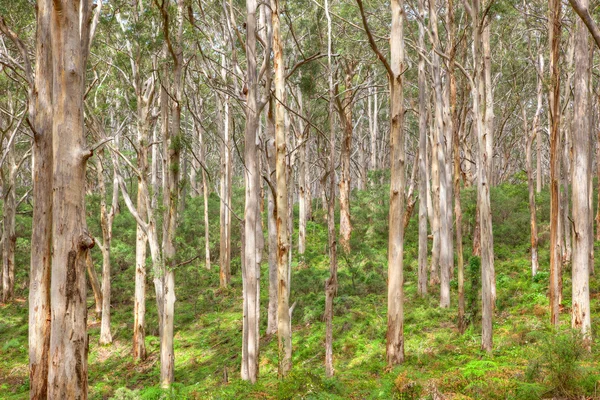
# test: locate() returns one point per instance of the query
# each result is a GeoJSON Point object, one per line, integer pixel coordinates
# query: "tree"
{"type": "Point", "coordinates": [284, 328]}
{"type": "Point", "coordinates": [331, 284]}
{"type": "Point", "coordinates": [67, 375]}
{"type": "Point", "coordinates": [422, 83]}
{"type": "Point", "coordinates": [582, 214]}
{"type": "Point", "coordinates": [394, 68]}
{"type": "Point", "coordinates": [481, 93]}
{"type": "Point", "coordinates": [554, 27]}
{"type": "Point", "coordinates": [250, 266]}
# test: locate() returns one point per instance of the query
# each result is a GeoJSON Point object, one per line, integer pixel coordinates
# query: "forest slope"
{"type": "Point", "coordinates": [529, 360]}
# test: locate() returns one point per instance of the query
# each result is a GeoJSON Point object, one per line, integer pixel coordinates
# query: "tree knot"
{"type": "Point", "coordinates": [86, 241]}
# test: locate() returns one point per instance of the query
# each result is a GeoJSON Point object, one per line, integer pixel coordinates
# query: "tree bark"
{"type": "Point", "coordinates": [9, 237]}
{"type": "Point", "coordinates": [106, 221]}
{"type": "Point", "coordinates": [331, 285]}
{"type": "Point", "coordinates": [67, 375]}
{"type": "Point", "coordinates": [284, 328]}
{"type": "Point", "coordinates": [95, 284]}
{"type": "Point", "coordinates": [40, 103]}
{"type": "Point", "coordinates": [250, 270]}
{"type": "Point", "coordinates": [345, 111]}
{"type": "Point", "coordinates": [422, 84]}
{"type": "Point", "coordinates": [439, 158]}
{"type": "Point", "coordinates": [303, 181]}
{"type": "Point", "coordinates": [582, 214]}
{"type": "Point", "coordinates": [395, 320]}
{"type": "Point", "coordinates": [530, 180]}
{"type": "Point", "coordinates": [225, 212]}
{"type": "Point", "coordinates": [172, 139]}
{"type": "Point", "coordinates": [554, 108]}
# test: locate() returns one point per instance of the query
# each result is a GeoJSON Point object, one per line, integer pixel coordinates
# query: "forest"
{"type": "Point", "coordinates": [299, 199]}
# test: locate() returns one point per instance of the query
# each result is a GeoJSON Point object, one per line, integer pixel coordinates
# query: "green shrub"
{"type": "Point", "coordinates": [560, 363]}
{"type": "Point", "coordinates": [126, 394]}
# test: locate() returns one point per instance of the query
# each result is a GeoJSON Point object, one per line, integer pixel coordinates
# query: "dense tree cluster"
{"type": "Point", "coordinates": [150, 103]}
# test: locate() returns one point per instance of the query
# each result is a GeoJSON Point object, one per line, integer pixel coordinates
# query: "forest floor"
{"type": "Point", "coordinates": [530, 360]}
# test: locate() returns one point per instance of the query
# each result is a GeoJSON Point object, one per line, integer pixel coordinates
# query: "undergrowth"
{"type": "Point", "coordinates": [529, 361]}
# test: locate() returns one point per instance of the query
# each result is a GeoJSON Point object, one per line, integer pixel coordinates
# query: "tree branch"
{"type": "Point", "coordinates": [381, 57]}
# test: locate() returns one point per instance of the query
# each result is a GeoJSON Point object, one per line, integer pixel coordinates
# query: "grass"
{"type": "Point", "coordinates": [527, 353]}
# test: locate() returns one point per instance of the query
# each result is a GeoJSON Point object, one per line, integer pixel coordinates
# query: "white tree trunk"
{"type": "Point", "coordinates": [582, 213]}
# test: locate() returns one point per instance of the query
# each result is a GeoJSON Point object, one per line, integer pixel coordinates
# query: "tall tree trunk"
{"type": "Point", "coordinates": [481, 95]}
{"type": "Point", "coordinates": [395, 320]}
{"type": "Point", "coordinates": [143, 126]}
{"type": "Point", "coordinates": [67, 375]}
{"type": "Point", "coordinates": [488, 287]}
{"type": "Point", "coordinates": [106, 221]}
{"type": "Point", "coordinates": [250, 270]}
{"type": "Point", "coordinates": [9, 237]}
{"type": "Point", "coordinates": [40, 103]}
{"type": "Point", "coordinates": [374, 125]}
{"type": "Point", "coordinates": [331, 285]}
{"type": "Point", "coordinates": [455, 150]}
{"type": "Point", "coordinates": [205, 194]}
{"type": "Point", "coordinates": [582, 213]}
{"type": "Point", "coordinates": [554, 108]}
{"type": "Point", "coordinates": [598, 177]}
{"type": "Point", "coordinates": [489, 163]}
{"type": "Point", "coordinates": [172, 139]}
{"type": "Point", "coordinates": [284, 328]}
{"type": "Point", "coordinates": [225, 212]}
{"type": "Point", "coordinates": [422, 84]}
{"type": "Point", "coordinates": [303, 182]}
{"type": "Point", "coordinates": [345, 110]}
{"type": "Point", "coordinates": [566, 245]}
{"type": "Point", "coordinates": [445, 219]}
{"type": "Point", "coordinates": [530, 180]}
{"type": "Point", "coordinates": [271, 222]}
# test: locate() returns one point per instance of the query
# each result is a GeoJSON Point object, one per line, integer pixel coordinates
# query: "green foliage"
{"type": "Point", "coordinates": [123, 393]}
{"type": "Point", "coordinates": [559, 364]}
{"type": "Point", "coordinates": [208, 319]}
{"type": "Point", "coordinates": [473, 272]}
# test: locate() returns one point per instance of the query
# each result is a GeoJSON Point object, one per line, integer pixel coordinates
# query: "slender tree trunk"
{"type": "Point", "coordinates": [143, 132]}
{"type": "Point", "coordinates": [481, 96]}
{"type": "Point", "coordinates": [374, 127]}
{"type": "Point", "coordinates": [345, 110]}
{"type": "Point", "coordinates": [489, 147]}
{"type": "Point", "coordinates": [331, 285]}
{"type": "Point", "coordinates": [67, 375]}
{"type": "Point", "coordinates": [454, 116]}
{"type": "Point", "coordinates": [598, 178]}
{"type": "Point", "coordinates": [395, 320]}
{"type": "Point", "coordinates": [554, 108]}
{"type": "Point", "coordinates": [284, 328]}
{"type": "Point", "coordinates": [445, 232]}
{"type": "Point", "coordinates": [303, 182]}
{"type": "Point", "coordinates": [40, 103]}
{"type": "Point", "coordinates": [106, 221]}
{"type": "Point", "coordinates": [225, 212]}
{"type": "Point", "coordinates": [95, 284]}
{"type": "Point", "coordinates": [272, 223]}
{"type": "Point", "coordinates": [530, 180]}
{"type": "Point", "coordinates": [566, 225]}
{"type": "Point", "coordinates": [206, 218]}
{"type": "Point", "coordinates": [532, 207]}
{"type": "Point", "coordinates": [250, 276]}
{"type": "Point", "coordinates": [172, 147]}
{"type": "Point", "coordinates": [9, 237]}
{"type": "Point", "coordinates": [458, 230]}
{"type": "Point", "coordinates": [582, 213]}
{"type": "Point", "coordinates": [422, 84]}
